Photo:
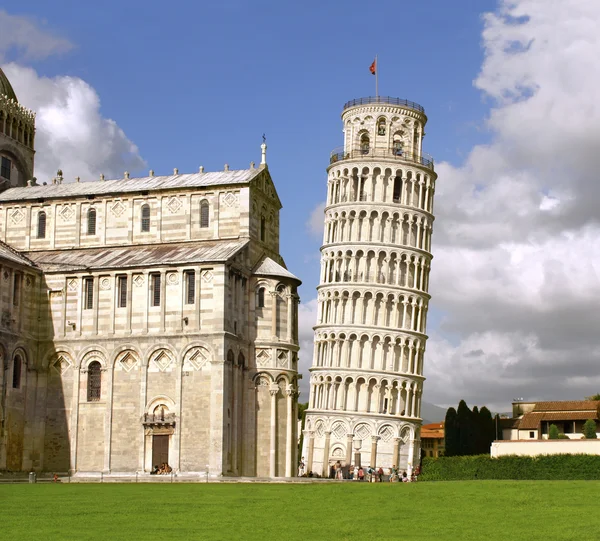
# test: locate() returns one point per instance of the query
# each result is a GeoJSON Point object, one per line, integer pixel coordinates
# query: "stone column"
{"type": "Point", "coordinates": [310, 435]}
{"type": "Point", "coordinates": [75, 417]}
{"type": "Point", "coordinates": [325, 472]}
{"type": "Point", "coordinates": [274, 314]}
{"type": "Point", "coordinates": [234, 418]}
{"type": "Point", "coordinates": [349, 440]}
{"type": "Point", "coordinates": [411, 454]}
{"type": "Point", "coordinates": [290, 318]}
{"type": "Point", "coordinates": [108, 415]}
{"type": "Point", "coordinates": [273, 389]}
{"type": "Point", "coordinates": [217, 376]}
{"type": "Point", "coordinates": [374, 440]}
{"type": "Point", "coordinates": [396, 452]}
{"type": "Point", "coordinates": [289, 443]}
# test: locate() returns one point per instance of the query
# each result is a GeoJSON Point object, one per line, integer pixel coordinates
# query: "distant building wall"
{"type": "Point", "coordinates": [545, 447]}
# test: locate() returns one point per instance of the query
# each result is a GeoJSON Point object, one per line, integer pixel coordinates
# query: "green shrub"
{"type": "Point", "coordinates": [553, 432]}
{"type": "Point", "coordinates": [589, 430]}
{"type": "Point", "coordinates": [543, 467]}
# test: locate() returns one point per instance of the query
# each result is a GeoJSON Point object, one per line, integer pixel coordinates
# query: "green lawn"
{"type": "Point", "coordinates": [461, 510]}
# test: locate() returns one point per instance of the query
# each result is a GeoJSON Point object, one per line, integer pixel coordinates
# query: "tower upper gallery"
{"type": "Point", "coordinates": [383, 127]}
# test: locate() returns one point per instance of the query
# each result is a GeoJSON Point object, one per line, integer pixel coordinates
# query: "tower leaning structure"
{"type": "Point", "coordinates": [367, 376]}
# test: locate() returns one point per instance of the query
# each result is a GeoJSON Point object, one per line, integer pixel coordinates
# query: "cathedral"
{"type": "Point", "coordinates": [143, 321]}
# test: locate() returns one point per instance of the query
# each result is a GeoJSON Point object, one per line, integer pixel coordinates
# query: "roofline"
{"type": "Point", "coordinates": [121, 192]}
{"type": "Point", "coordinates": [76, 269]}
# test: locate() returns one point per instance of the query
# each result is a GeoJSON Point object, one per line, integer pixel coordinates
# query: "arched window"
{"type": "Point", "coordinates": [397, 147]}
{"type": "Point", "coordinates": [241, 359]}
{"type": "Point", "coordinates": [260, 301]}
{"type": "Point", "coordinates": [365, 143]}
{"type": "Point", "coordinates": [17, 365]}
{"type": "Point", "coordinates": [397, 189]}
{"type": "Point", "coordinates": [94, 384]}
{"type": "Point", "coordinates": [230, 357]}
{"type": "Point", "coordinates": [204, 218]}
{"type": "Point", "coordinates": [41, 225]}
{"type": "Point", "coordinates": [145, 225]}
{"type": "Point", "coordinates": [381, 126]}
{"type": "Point", "coordinates": [91, 222]}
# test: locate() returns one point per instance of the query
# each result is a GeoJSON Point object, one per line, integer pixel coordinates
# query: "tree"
{"type": "Point", "coordinates": [464, 421]}
{"type": "Point", "coordinates": [488, 430]}
{"type": "Point", "coordinates": [593, 397]}
{"type": "Point", "coordinates": [553, 432]}
{"type": "Point", "coordinates": [450, 433]}
{"type": "Point", "coordinates": [589, 430]}
{"type": "Point", "coordinates": [499, 435]}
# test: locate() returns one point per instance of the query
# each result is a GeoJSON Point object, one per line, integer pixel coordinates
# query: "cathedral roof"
{"type": "Point", "coordinates": [6, 88]}
{"type": "Point", "coordinates": [148, 255]}
{"type": "Point", "coordinates": [126, 185]}
{"type": "Point", "coordinates": [10, 254]}
{"type": "Point", "coordinates": [268, 267]}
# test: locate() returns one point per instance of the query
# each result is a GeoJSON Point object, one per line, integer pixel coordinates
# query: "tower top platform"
{"type": "Point", "coordinates": [384, 100]}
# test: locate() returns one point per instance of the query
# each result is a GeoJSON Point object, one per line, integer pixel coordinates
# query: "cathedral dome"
{"type": "Point", "coordinates": [5, 87]}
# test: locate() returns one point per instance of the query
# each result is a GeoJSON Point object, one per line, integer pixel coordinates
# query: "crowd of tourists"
{"type": "Point", "coordinates": [369, 474]}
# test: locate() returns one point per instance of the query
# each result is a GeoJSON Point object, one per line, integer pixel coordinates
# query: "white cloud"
{"type": "Point", "coordinates": [71, 133]}
{"type": "Point", "coordinates": [307, 319]}
{"type": "Point", "coordinates": [23, 39]}
{"type": "Point", "coordinates": [517, 239]}
{"type": "Point", "coordinates": [315, 223]}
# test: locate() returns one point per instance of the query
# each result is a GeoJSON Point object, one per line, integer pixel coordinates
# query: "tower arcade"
{"type": "Point", "coordinates": [367, 374]}
{"type": "Point", "coordinates": [17, 133]}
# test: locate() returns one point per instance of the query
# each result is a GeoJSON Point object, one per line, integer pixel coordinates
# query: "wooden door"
{"type": "Point", "coordinates": [160, 450]}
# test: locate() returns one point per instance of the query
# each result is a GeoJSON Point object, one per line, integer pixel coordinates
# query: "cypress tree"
{"type": "Point", "coordinates": [464, 420]}
{"type": "Point", "coordinates": [488, 430]}
{"type": "Point", "coordinates": [450, 433]}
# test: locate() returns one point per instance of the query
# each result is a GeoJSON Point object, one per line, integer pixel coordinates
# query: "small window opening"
{"type": "Point", "coordinates": [364, 144]}
{"type": "Point", "coordinates": [88, 292]}
{"type": "Point", "coordinates": [381, 127]}
{"type": "Point", "coordinates": [16, 379]}
{"type": "Point", "coordinates": [261, 297]}
{"type": "Point", "coordinates": [17, 289]}
{"type": "Point", "coordinates": [204, 214]}
{"type": "Point", "coordinates": [91, 222]}
{"type": "Point", "coordinates": [122, 291]}
{"type": "Point", "coordinates": [94, 387]}
{"type": "Point", "coordinates": [41, 229]}
{"type": "Point", "coordinates": [397, 147]}
{"type": "Point", "coordinates": [263, 229]}
{"type": "Point", "coordinates": [5, 167]}
{"type": "Point", "coordinates": [155, 289]}
{"type": "Point", "coordinates": [397, 188]}
{"type": "Point", "coordinates": [190, 287]}
{"type": "Point", "coordinates": [145, 224]}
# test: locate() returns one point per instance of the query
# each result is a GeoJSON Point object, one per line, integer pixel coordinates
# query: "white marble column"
{"type": "Point", "coordinates": [273, 390]}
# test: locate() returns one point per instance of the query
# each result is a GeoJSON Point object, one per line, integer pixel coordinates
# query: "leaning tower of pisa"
{"type": "Point", "coordinates": [367, 375]}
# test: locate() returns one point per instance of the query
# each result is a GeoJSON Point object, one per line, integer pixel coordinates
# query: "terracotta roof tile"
{"type": "Point", "coordinates": [567, 405]}
{"type": "Point", "coordinates": [532, 420]}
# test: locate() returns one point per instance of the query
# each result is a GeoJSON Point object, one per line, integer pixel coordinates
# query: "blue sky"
{"type": "Point", "coordinates": [509, 87]}
{"type": "Point", "coordinates": [200, 82]}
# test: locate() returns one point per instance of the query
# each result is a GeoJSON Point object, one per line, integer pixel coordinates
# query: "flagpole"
{"type": "Point", "coordinates": [376, 77]}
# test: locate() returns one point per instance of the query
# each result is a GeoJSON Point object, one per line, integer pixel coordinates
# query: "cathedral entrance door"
{"type": "Point", "coordinates": [160, 450]}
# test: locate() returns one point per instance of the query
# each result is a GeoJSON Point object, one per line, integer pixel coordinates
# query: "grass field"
{"type": "Point", "coordinates": [468, 510]}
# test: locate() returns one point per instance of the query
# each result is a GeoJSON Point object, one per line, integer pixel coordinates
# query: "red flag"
{"type": "Point", "coordinates": [373, 67]}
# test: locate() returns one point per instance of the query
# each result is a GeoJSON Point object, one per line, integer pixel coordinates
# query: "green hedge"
{"type": "Point", "coordinates": [546, 467]}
